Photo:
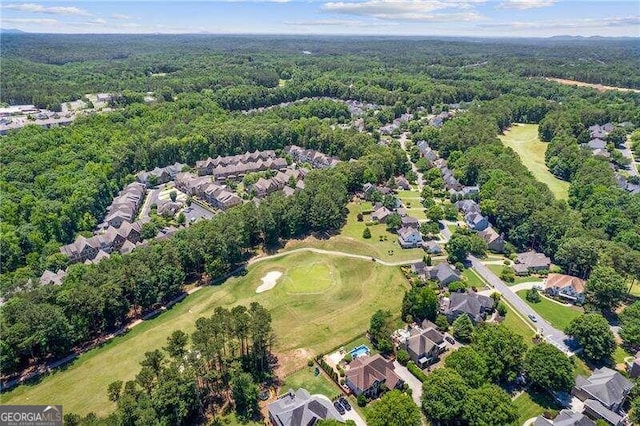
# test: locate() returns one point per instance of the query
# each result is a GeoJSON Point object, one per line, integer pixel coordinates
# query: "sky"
{"type": "Point", "coordinates": [476, 18]}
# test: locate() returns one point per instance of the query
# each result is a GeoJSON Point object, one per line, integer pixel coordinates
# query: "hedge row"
{"type": "Point", "coordinates": [416, 371]}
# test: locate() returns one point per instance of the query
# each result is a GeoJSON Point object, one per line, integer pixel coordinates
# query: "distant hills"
{"type": "Point", "coordinates": [11, 31]}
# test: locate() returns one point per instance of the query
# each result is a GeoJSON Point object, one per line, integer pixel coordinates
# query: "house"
{"type": "Point", "coordinates": [367, 373]}
{"type": "Point", "coordinates": [301, 409]}
{"type": "Point", "coordinates": [432, 247]}
{"type": "Point", "coordinates": [476, 221]}
{"type": "Point", "coordinates": [409, 238]}
{"type": "Point", "coordinates": [531, 261]}
{"type": "Point", "coordinates": [601, 153]}
{"type": "Point", "coordinates": [368, 189]}
{"type": "Point", "coordinates": [465, 192]}
{"type": "Point", "coordinates": [425, 346]}
{"type": "Point", "coordinates": [317, 159]}
{"type": "Point", "coordinates": [495, 241]}
{"type": "Point", "coordinates": [603, 394]}
{"type": "Point", "coordinates": [565, 418]}
{"type": "Point", "coordinates": [169, 208]}
{"type": "Point", "coordinates": [474, 305]}
{"type": "Point", "coordinates": [48, 277]}
{"type": "Point", "coordinates": [633, 366]}
{"type": "Point", "coordinates": [381, 214]}
{"type": "Point", "coordinates": [444, 274]}
{"type": "Point", "coordinates": [409, 222]}
{"type": "Point", "coordinates": [160, 175]}
{"type": "Point", "coordinates": [420, 268]}
{"type": "Point", "coordinates": [123, 208]}
{"type": "Point", "coordinates": [403, 183]}
{"type": "Point", "coordinates": [565, 286]}
{"type": "Point", "coordinates": [595, 144]}
{"type": "Point", "coordinates": [468, 206]}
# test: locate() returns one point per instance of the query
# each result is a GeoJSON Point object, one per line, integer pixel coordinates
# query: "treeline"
{"type": "Point", "coordinates": [598, 226]}
{"type": "Point", "coordinates": [49, 321]}
{"type": "Point", "coordinates": [59, 182]}
{"type": "Point", "coordinates": [194, 377]}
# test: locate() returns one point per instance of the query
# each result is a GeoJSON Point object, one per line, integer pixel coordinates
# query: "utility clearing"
{"type": "Point", "coordinates": [523, 139]}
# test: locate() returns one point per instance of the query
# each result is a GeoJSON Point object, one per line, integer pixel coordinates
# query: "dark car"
{"type": "Point", "coordinates": [450, 340]}
{"type": "Point", "coordinates": [339, 407]}
{"type": "Point", "coordinates": [345, 404]}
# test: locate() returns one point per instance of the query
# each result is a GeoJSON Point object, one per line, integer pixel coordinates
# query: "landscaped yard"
{"type": "Point", "coordinates": [305, 378]}
{"type": "Point", "coordinates": [558, 315]}
{"type": "Point", "coordinates": [533, 403]}
{"type": "Point", "coordinates": [350, 239]}
{"type": "Point", "coordinates": [472, 279]}
{"type": "Point", "coordinates": [523, 139]}
{"type": "Point", "coordinates": [305, 324]}
{"type": "Point", "coordinates": [516, 324]}
{"type": "Point", "coordinates": [497, 269]}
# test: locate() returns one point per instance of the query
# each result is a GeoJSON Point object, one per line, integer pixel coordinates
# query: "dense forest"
{"type": "Point", "coordinates": [58, 183]}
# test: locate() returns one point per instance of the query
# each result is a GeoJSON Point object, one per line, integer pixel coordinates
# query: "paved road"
{"type": "Point", "coordinates": [444, 230]}
{"type": "Point", "coordinates": [411, 380]}
{"type": "Point", "coordinates": [403, 144]}
{"type": "Point", "coordinates": [626, 151]}
{"type": "Point", "coordinates": [551, 334]}
{"type": "Point", "coordinates": [152, 198]}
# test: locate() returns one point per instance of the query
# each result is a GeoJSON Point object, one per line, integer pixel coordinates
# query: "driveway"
{"type": "Point", "coordinates": [195, 211]}
{"type": "Point", "coordinates": [353, 415]}
{"type": "Point", "coordinates": [152, 198]}
{"type": "Point", "coordinates": [551, 334]}
{"type": "Point", "coordinates": [411, 380]}
{"type": "Point", "coordinates": [626, 152]}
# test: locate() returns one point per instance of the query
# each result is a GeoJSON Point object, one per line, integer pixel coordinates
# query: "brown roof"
{"type": "Point", "coordinates": [562, 281]}
{"type": "Point", "coordinates": [364, 371]}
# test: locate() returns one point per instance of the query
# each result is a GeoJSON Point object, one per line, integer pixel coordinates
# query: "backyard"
{"type": "Point", "coordinates": [304, 324]}
{"type": "Point", "coordinates": [558, 315]}
{"type": "Point", "coordinates": [306, 378]}
{"type": "Point", "coordinates": [523, 139]}
{"type": "Point", "coordinates": [533, 403]}
{"type": "Point", "coordinates": [497, 269]}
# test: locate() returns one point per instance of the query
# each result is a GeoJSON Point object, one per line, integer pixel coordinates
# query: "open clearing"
{"type": "Point", "coordinates": [558, 315]}
{"type": "Point", "coordinates": [598, 87]}
{"type": "Point", "coordinates": [303, 323]}
{"type": "Point", "coordinates": [305, 378]}
{"type": "Point", "coordinates": [523, 139]}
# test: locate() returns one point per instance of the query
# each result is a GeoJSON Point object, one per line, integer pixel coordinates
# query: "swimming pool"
{"type": "Point", "coordinates": [359, 351]}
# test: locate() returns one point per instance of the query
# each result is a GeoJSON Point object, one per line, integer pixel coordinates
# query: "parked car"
{"type": "Point", "coordinates": [533, 318]}
{"type": "Point", "coordinates": [450, 340]}
{"type": "Point", "coordinates": [339, 407]}
{"type": "Point", "coordinates": [345, 403]}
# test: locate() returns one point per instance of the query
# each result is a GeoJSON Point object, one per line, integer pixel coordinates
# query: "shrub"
{"type": "Point", "coordinates": [366, 233]}
{"type": "Point", "coordinates": [362, 400]}
{"type": "Point", "coordinates": [507, 274]}
{"type": "Point", "coordinates": [416, 371]}
{"type": "Point", "coordinates": [459, 266]}
{"type": "Point", "coordinates": [502, 309]}
{"type": "Point", "coordinates": [442, 323]}
{"type": "Point", "coordinates": [360, 217]}
{"type": "Point", "coordinates": [310, 363]}
{"type": "Point", "coordinates": [403, 357]}
{"type": "Point", "coordinates": [348, 358]}
{"type": "Point", "coordinates": [428, 261]}
{"type": "Point", "coordinates": [456, 286]}
{"type": "Point", "coordinates": [506, 263]}
{"type": "Point", "coordinates": [533, 295]}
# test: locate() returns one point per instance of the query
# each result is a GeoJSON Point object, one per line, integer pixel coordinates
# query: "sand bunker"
{"type": "Point", "coordinates": [269, 281]}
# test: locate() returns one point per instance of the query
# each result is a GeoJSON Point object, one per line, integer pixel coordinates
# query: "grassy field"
{"type": "Point", "coordinates": [304, 324]}
{"type": "Point", "coordinates": [472, 279]}
{"type": "Point", "coordinates": [533, 403]}
{"type": "Point", "coordinates": [305, 378]}
{"type": "Point", "coordinates": [350, 239]}
{"type": "Point", "coordinates": [523, 139]}
{"type": "Point", "coordinates": [516, 324]}
{"type": "Point", "coordinates": [558, 315]}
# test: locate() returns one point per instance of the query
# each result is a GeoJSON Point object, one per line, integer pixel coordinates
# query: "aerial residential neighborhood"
{"type": "Point", "coordinates": [369, 213]}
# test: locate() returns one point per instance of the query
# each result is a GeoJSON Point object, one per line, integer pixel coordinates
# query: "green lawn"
{"type": "Point", "coordinates": [232, 420]}
{"type": "Point", "coordinates": [305, 324]}
{"type": "Point", "coordinates": [523, 139]}
{"type": "Point", "coordinates": [558, 315]}
{"type": "Point", "coordinates": [533, 403]}
{"type": "Point", "coordinates": [305, 378]}
{"type": "Point", "coordinates": [497, 269]}
{"type": "Point", "coordinates": [472, 279]}
{"type": "Point", "coordinates": [350, 239]}
{"type": "Point", "coordinates": [516, 324]}
{"type": "Point", "coordinates": [580, 368]}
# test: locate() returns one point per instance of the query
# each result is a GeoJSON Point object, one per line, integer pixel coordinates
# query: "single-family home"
{"type": "Point", "coordinates": [495, 241]}
{"type": "Point", "coordinates": [425, 346]}
{"type": "Point", "coordinates": [420, 268]}
{"type": "Point", "coordinates": [160, 175]}
{"type": "Point", "coordinates": [531, 261]}
{"type": "Point", "coordinates": [565, 418]}
{"type": "Point", "coordinates": [409, 222]}
{"type": "Point", "coordinates": [444, 274]}
{"type": "Point", "coordinates": [633, 366]}
{"type": "Point", "coordinates": [565, 286]}
{"type": "Point", "coordinates": [476, 221]}
{"type": "Point", "coordinates": [601, 153]}
{"type": "Point", "coordinates": [367, 373]}
{"type": "Point", "coordinates": [403, 183]}
{"type": "Point", "coordinates": [432, 247]}
{"type": "Point", "coordinates": [468, 206]}
{"type": "Point", "coordinates": [595, 144]}
{"type": "Point", "coordinates": [299, 408]}
{"type": "Point", "coordinates": [381, 214]}
{"type": "Point", "coordinates": [409, 237]}
{"type": "Point", "coordinates": [475, 305]}
{"type": "Point", "coordinates": [51, 278]}
{"type": "Point", "coordinates": [603, 394]}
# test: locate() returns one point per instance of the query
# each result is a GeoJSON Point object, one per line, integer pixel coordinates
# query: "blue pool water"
{"type": "Point", "coordinates": [359, 351]}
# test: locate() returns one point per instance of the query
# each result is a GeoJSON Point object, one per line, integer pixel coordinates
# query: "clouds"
{"type": "Point", "coordinates": [30, 21]}
{"type": "Point", "coordinates": [526, 4]}
{"type": "Point", "coordinates": [569, 25]}
{"type": "Point", "coordinates": [407, 10]}
{"type": "Point", "coordinates": [51, 10]}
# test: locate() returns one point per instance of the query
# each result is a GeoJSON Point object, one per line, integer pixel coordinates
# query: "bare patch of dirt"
{"type": "Point", "coordinates": [291, 361]}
